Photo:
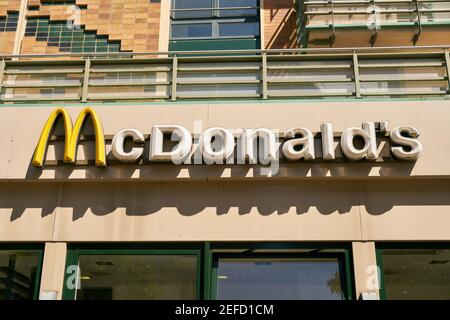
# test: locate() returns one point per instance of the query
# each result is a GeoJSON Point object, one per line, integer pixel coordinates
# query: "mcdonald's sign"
{"type": "Point", "coordinates": [72, 134]}
{"type": "Point", "coordinates": [297, 143]}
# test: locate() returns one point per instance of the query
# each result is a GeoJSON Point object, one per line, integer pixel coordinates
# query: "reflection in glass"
{"type": "Point", "coordinates": [18, 272]}
{"type": "Point", "coordinates": [192, 30]}
{"type": "Point", "coordinates": [237, 4]}
{"type": "Point", "coordinates": [236, 29]}
{"type": "Point", "coordinates": [189, 4]}
{"type": "Point", "coordinates": [137, 277]}
{"type": "Point", "coordinates": [279, 279]}
{"type": "Point", "coordinates": [417, 274]}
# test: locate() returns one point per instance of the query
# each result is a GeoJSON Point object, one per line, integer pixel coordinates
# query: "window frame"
{"type": "Point", "coordinates": [344, 259]}
{"type": "Point", "coordinates": [215, 10]}
{"type": "Point", "coordinates": [214, 28]}
{"type": "Point", "coordinates": [10, 15]}
{"type": "Point", "coordinates": [215, 19]}
{"type": "Point", "coordinates": [206, 252]}
{"type": "Point", "coordinates": [40, 259]}
{"type": "Point", "coordinates": [73, 255]}
{"type": "Point", "coordinates": [294, 256]}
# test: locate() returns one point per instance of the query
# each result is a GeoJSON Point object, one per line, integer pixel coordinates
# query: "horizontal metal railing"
{"type": "Point", "coordinates": [374, 14]}
{"type": "Point", "coordinates": [253, 74]}
{"type": "Point", "coordinates": [418, 9]}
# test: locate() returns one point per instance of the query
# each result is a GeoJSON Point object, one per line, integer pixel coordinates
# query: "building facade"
{"type": "Point", "coordinates": [224, 149]}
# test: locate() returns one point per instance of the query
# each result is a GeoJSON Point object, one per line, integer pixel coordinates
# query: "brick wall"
{"type": "Point", "coordinates": [135, 24]}
{"type": "Point", "coordinates": [280, 31]}
{"type": "Point", "coordinates": [7, 37]}
{"type": "Point", "coordinates": [7, 5]}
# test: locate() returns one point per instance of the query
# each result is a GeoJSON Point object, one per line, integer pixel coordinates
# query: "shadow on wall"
{"type": "Point", "coordinates": [280, 24]}
{"type": "Point", "coordinates": [191, 198]}
{"type": "Point", "coordinates": [165, 172]}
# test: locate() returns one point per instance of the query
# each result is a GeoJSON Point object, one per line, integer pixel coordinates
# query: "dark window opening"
{"type": "Point", "coordinates": [9, 22]}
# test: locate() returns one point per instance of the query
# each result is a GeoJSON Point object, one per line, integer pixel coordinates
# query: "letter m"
{"type": "Point", "coordinates": [72, 134]}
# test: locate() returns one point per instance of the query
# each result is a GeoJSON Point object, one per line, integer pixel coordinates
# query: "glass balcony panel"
{"type": "Point", "coordinates": [218, 90]}
{"type": "Point", "coordinates": [129, 82]}
{"type": "Point", "coordinates": [311, 89]}
{"type": "Point", "coordinates": [218, 76]}
{"type": "Point", "coordinates": [39, 87]}
{"type": "Point", "coordinates": [382, 13]}
{"type": "Point", "coordinates": [98, 79]}
{"type": "Point", "coordinates": [128, 93]}
{"type": "Point", "coordinates": [415, 88]}
{"type": "Point", "coordinates": [36, 94]}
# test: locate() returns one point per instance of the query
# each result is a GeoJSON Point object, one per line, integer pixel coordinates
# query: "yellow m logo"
{"type": "Point", "coordinates": [72, 135]}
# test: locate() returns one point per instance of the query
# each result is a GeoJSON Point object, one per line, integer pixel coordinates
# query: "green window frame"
{"type": "Point", "coordinates": [40, 258]}
{"type": "Point", "coordinates": [215, 20]}
{"type": "Point", "coordinates": [380, 246]}
{"type": "Point", "coordinates": [344, 259]}
{"type": "Point", "coordinates": [207, 255]}
{"type": "Point", "coordinates": [213, 40]}
{"type": "Point", "coordinates": [74, 252]}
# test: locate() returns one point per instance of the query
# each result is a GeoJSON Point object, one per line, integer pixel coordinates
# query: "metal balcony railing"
{"type": "Point", "coordinates": [375, 14]}
{"type": "Point", "coordinates": [266, 74]}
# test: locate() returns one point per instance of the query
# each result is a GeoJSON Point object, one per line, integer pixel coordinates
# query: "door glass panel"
{"type": "Point", "coordinates": [186, 6]}
{"type": "Point", "coordinates": [238, 4]}
{"type": "Point", "coordinates": [230, 29]}
{"type": "Point", "coordinates": [192, 30]}
{"type": "Point", "coordinates": [18, 273]}
{"type": "Point", "coordinates": [137, 277]}
{"type": "Point", "coordinates": [279, 279]}
{"type": "Point", "coordinates": [417, 274]}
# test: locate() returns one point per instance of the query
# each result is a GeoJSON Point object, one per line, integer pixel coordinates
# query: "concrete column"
{"type": "Point", "coordinates": [20, 32]}
{"type": "Point", "coordinates": [366, 272]}
{"type": "Point", "coordinates": [262, 36]}
{"type": "Point", "coordinates": [164, 27]}
{"type": "Point", "coordinates": [52, 278]}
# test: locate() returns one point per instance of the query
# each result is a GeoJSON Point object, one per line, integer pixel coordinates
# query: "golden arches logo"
{"type": "Point", "coordinates": [72, 135]}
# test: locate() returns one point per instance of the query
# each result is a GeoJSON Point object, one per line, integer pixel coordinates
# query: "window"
{"type": "Point", "coordinates": [184, 9]}
{"type": "Point", "coordinates": [203, 270]}
{"type": "Point", "coordinates": [133, 275]}
{"type": "Point", "coordinates": [19, 274]}
{"type": "Point", "coordinates": [275, 271]}
{"type": "Point", "coordinates": [235, 29]}
{"type": "Point", "coordinates": [192, 30]}
{"type": "Point", "coordinates": [415, 273]}
{"type": "Point", "coordinates": [58, 2]}
{"type": "Point", "coordinates": [279, 279]}
{"type": "Point", "coordinates": [76, 40]}
{"type": "Point", "coordinates": [214, 19]}
{"type": "Point", "coordinates": [9, 23]}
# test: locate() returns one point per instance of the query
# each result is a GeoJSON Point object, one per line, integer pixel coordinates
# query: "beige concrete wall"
{"type": "Point", "coordinates": [226, 211]}
{"type": "Point", "coordinates": [20, 129]}
{"type": "Point", "coordinates": [161, 202]}
{"type": "Point", "coordinates": [366, 272]}
{"type": "Point", "coordinates": [361, 203]}
{"type": "Point", "coordinates": [53, 269]}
